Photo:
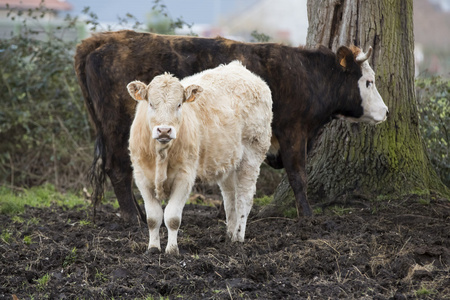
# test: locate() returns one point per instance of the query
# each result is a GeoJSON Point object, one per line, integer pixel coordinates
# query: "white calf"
{"type": "Point", "coordinates": [214, 125]}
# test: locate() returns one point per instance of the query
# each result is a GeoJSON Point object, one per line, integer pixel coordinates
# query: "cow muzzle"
{"type": "Point", "coordinates": [164, 134]}
{"type": "Point", "coordinates": [379, 115]}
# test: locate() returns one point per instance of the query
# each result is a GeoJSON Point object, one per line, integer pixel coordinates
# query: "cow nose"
{"type": "Point", "coordinates": [164, 134]}
{"type": "Point", "coordinates": [164, 130]}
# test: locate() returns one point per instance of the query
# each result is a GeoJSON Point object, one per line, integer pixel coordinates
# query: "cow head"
{"type": "Point", "coordinates": [164, 96]}
{"type": "Point", "coordinates": [354, 61]}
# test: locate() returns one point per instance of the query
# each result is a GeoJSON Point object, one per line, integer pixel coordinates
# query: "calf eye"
{"type": "Point", "coordinates": [369, 83]}
{"type": "Point", "coordinates": [179, 105]}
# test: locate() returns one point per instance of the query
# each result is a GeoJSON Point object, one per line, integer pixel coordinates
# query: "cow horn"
{"type": "Point", "coordinates": [363, 57]}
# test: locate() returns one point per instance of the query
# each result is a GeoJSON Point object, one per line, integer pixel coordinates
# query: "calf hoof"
{"type": "Point", "coordinates": [172, 251]}
{"type": "Point", "coordinates": [234, 238]}
{"type": "Point", "coordinates": [237, 239]}
{"type": "Point", "coordinates": [153, 250]}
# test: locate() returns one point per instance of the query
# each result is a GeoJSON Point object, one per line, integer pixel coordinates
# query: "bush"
{"type": "Point", "coordinates": [433, 97]}
{"type": "Point", "coordinates": [44, 128]}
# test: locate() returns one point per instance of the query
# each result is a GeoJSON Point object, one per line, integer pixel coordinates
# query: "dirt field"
{"type": "Point", "coordinates": [378, 251]}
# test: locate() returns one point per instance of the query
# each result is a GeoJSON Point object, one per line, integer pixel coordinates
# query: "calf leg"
{"type": "Point", "coordinates": [247, 174]}
{"type": "Point", "coordinates": [154, 213]}
{"type": "Point", "coordinates": [153, 210]}
{"type": "Point", "coordinates": [228, 189]}
{"type": "Point", "coordinates": [172, 215]}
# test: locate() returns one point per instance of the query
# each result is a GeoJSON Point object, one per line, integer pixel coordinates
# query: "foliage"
{"type": "Point", "coordinates": [259, 37]}
{"type": "Point", "coordinates": [158, 23]}
{"type": "Point", "coordinates": [5, 236]}
{"type": "Point", "coordinates": [12, 202]}
{"type": "Point", "coordinates": [159, 20]}
{"type": "Point", "coordinates": [43, 281]}
{"type": "Point", "coordinates": [27, 240]}
{"type": "Point", "coordinates": [291, 213]}
{"type": "Point", "coordinates": [424, 291]}
{"type": "Point", "coordinates": [433, 97]}
{"type": "Point", "coordinates": [44, 127]}
{"type": "Point", "coordinates": [264, 200]}
{"type": "Point", "coordinates": [70, 258]}
{"type": "Point", "coordinates": [129, 21]}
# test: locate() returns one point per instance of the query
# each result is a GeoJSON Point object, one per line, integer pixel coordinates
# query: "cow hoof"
{"type": "Point", "coordinates": [234, 239]}
{"type": "Point", "coordinates": [153, 250]}
{"type": "Point", "coordinates": [172, 250]}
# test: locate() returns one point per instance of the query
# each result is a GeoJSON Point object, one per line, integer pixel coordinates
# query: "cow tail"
{"type": "Point", "coordinates": [97, 173]}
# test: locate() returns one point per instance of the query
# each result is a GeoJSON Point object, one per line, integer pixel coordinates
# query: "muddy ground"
{"type": "Point", "coordinates": [374, 251]}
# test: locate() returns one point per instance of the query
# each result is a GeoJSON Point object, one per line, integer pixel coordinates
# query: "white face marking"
{"type": "Point", "coordinates": [375, 111]}
{"type": "Point", "coordinates": [165, 99]}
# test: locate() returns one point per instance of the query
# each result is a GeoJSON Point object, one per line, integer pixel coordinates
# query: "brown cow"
{"type": "Point", "coordinates": [309, 88]}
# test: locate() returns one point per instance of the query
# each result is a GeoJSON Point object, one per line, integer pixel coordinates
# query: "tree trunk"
{"type": "Point", "coordinates": [355, 160]}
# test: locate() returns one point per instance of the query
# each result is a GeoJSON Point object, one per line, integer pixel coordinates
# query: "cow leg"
{"type": "Point", "coordinates": [153, 210]}
{"type": "Point", "coordinates": [120, 174]}
{"type": "Point", "coordinates": [154, 213]}
{"type": "Point", "coordinates": [294, 154]}
{"type": "Point", "coordinates": [247, 174]}
{"type": "Point", "coordinates": [228, 189]}
{"type": "Point", "coordinates": [172, 215]}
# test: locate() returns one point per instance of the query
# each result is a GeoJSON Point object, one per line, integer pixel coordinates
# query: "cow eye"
{"type": "Point", "coordinates": [369, 83]}
{"type": "Point", "coordinates": [151, 105]}
{"type": "Point", "coordinates": [179, 105]}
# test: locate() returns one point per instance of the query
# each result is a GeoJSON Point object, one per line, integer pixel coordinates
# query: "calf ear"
{"type": "Point", "coordinates": [192, 92]}
{"type": "Point", "coordinates": [137, 90]}
{"type": "Point", "coordinates": [344, 57]}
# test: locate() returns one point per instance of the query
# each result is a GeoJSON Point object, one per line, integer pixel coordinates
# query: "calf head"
{"type": "Point", "coordinates": [355, 63]}
{"type": "Point", "coordinates": [164, 96]}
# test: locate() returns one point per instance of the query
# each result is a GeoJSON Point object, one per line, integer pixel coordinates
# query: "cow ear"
{"type": "Point", "coordinates": [192, 92]}
{"type": "Point", "coordinates": [344, 57]}
{"type": "Point", "coordinates": [137, 90]}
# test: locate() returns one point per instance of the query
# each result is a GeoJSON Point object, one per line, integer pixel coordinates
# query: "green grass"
{"type": "Point", "coordinates": [17, 219]}
{"type": "Point", "coordinates": [423, 291]}
{"type": "Point", "coordinates": [43, 281]}
{"type": "Point", "coordinates": [85, 222]}
{"type": "Point", "coordinates": [150, 297]}
{"type": "Point", "coordinates": [13, 202]}
{"type": "Point", "coordinates": [290, 213]}
{"type": "Point", "coordinates": [263, 200]}
{"type": "Point", "coordinates": [340, 210]}
{"type": "Point", "coordinates": [317, 211]}
{"type": "Point", "coordinates": [70, 258]}
{"type": "Point", "coordinates": [6, 236]}
{"type": "Point", "coordinates": [27, 240]}
{"type": "Point", "coordinates": [424, 201]}
{"type": "Point", "coordinates": [100, 276]}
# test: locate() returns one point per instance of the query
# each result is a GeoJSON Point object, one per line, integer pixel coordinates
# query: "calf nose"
{"type": "Point", "coordinates": [164, 131]}
{"type": "Point", "coordinates": [164, 134]}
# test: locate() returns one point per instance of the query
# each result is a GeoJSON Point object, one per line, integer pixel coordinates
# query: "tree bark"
{"type": "Point", "coordinates": [355, 160]}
